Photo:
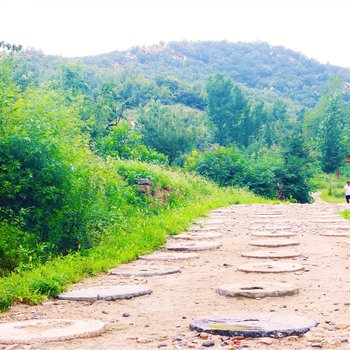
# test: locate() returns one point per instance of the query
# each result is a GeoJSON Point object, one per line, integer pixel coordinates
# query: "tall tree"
{"type": "Point", "coordinates": [331, 136]}
{"type": "Point", "coordinates": [293, 179]}
{"type": "Point", "coordinates": [172, 131]}
{"type": "Point", "coordinates": [220, 106]}
{"type": "Point", "coordinates": [241, 123]}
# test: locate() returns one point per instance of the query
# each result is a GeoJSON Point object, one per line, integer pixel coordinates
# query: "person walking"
{"type": "Point", "coordinates": [347, 192]}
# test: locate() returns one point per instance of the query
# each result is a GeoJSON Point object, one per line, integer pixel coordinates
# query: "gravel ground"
{"type": "Point", "coordinates": [161, 319]}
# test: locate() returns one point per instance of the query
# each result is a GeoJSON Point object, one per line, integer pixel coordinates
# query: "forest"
{"type": "Point", "coordinates": [99, 155]}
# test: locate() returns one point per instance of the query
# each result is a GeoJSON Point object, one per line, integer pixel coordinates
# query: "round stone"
{"type": "Point", "coordinates": [254, 325]}
{"type": "Point", "coordinates": [49, 330]}
{"type": "Point", "coordinates": [274, 242]}
{"type": "Point", "coordinates": [223, 211]}
{"type": "Point", "coordinates": [206, 229]}
{"type": "Point", "coordinates": [165, 256]}
{"type": "Point", "coordinates": [257, 289]}
{"type": "Point", "coordinates": [335, 234]}
{"type": "Point", "coordinates": [144, 270]}
{"type": "Point", "coordinates": [337, 228]}
{"type": "Point", "coordinates": [274, 228]}
{"type": "Point", "coordinates": [273, 254]}
{"type": "Point", "coordinates": [193, 246]}
{"type": "Point", "coordinates": [268, 214]}
{"type": "Point", "coordinates": [198, 235]}
{"type": "Point", "coordinates": [106, 293]}
{"type": "Point", "coordinates": [327, 221]}
{"type": "Point", "coordinates": [266, 222]}
{"type": "Point", "coordinates": [273, 234]}
{"type": "Point", "coordinates": [212, 222]}
{"type": "Point", "coordinates": [270, 267]}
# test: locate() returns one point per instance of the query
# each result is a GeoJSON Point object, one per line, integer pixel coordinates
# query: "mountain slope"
{"type": "Point", "coordinates": [257, 65]}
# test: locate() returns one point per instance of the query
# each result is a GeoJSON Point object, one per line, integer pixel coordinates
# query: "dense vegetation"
{"type": "Point", "coordinates": [272, 69]}
{"type": "Point", "coordinates": [97, 165]}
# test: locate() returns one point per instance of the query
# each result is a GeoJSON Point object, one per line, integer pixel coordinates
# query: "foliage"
{"type": "Point", "coordinates": [10, 47]}
{"type": "Point", "coordinates": [294, 176]}
{"type": "Point", "coordinates": [272, 173]}
{"type": "Point", "coordinates": [123, 142]}
{"type": "Point", "coordinates": [335, 193]}
{"type": "Point", "coordinates": [330, 137]}
{"type": "Point", "coordinates": [172, 131]}
{"type": "Point", "coordinates": [225, 166]}
{"type": "Point", "coordinates": [220, 107]}
{"type": "Point", "coordinates": [274, 69]}
{"type": "Point", "coordinates": [133, 233]}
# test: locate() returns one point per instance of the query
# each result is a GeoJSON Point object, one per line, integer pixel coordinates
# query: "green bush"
{"type": "Point", "coordinates": [20, 250]}
{"type": "Point", "coordinates": [124, 143]}
{"type": "Point", "coordinates": [225, 166]}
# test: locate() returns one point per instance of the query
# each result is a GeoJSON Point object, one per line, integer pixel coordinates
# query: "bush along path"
{"type": "Point", "coordinates": [198, 292]}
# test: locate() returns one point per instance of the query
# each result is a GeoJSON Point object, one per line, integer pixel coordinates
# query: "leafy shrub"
{"type": "Point", "coordinates": [225, 166]}
{"type": "Point", "coordinates": [124, 143]}
{"type": "Point", "coordinates": [19, 249]}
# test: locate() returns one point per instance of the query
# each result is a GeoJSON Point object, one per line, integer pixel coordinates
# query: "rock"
{"type": "Point", "coordinates": [208, 343]}
{"type": "Point", "coordinates": [48, 330]}
{"type": "Point", "coordinates": [313, 338]}
{"type": "Point", "coordinates": [204, 336]}
{"type": "Point", "coordinates": [293, 338]}
{"type": "Point", "coordinates": [125, 314]}
{"type": "Point", "coordinates": [254, 325]}
{"type": "Point", "coordinates": [257, 289]}
{"type": "Point", "coordinates": [143, 340]}
{"type": "Point", "coordinates": [266, 341]}
{"type": "Point", "coordinates": [106, 293]}
{"type": "Point", "coordinates": [342, 325]}
{"type": "Point", "coordinates": [162, 345]}
{"type": "Point", "coordinates": [342, 340]}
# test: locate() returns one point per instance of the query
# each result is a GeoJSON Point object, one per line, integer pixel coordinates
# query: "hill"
{"type": "Point", "coordinates": [258, 65]}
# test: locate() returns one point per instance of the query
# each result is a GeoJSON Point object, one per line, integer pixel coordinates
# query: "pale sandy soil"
{"type": "Point", "coordinates": [161, 319]}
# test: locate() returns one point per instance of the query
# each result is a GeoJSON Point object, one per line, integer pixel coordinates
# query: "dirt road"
{"type": "Point", "coordinates": [161, 319]}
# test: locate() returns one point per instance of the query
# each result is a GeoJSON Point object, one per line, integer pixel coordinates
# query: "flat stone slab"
{"type": "Point", "coordinates": [49, 330]}
{"type": "Point", "coordinates": [279, 242]}
{"type": "Point", "coordinates": [328, 221]}
{"type": "Point", "coordinates": [254, 325]}
{"type": "Point", "coordinates": [144, 270]}
{"type": "Point", "coordinates": [257, 289]}
{"type": "Point", "coordinates": [273, 234]}
{"type": "Point", "coordinates": [206, 229]}
{"type": "Point", "coordinates": [165, 256]}
{"type": "Point", "coordinates": [270, 267]}
{"type": "Point", "coordinates": [212, 221]}
{"type": "Point", "coordinates": [106, 293]}
{"type": "Point", "coordinates": [268, 222]}
{"type": "Point", "coordinates": [345, 227]}
{"type": "Point", "coordinates": [198, 235]}
{"type": "Point", "coordinates": [193, 246]}
{"type": "Point", "coordinates": [273, 254]}
{"type": "Point", "coordinates": [273, 227]}
{"type": "Point", "coordinates": [335, 234]}
{"type": "Point", "coordinates": [269, 214]}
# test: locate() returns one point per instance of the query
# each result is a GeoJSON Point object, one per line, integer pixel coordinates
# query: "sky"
{"type": "Point", "coordinates": [317, 28]}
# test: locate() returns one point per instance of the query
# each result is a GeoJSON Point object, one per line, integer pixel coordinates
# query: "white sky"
{"type": "Point", "coordinates": [316, 28]}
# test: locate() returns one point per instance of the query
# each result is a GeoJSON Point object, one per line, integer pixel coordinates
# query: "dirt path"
{"type": "Point", "coordinates": [161, 319]}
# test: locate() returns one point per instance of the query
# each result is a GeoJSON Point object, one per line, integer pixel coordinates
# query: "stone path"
{"type": "Point", "coordinates": [162, 319]}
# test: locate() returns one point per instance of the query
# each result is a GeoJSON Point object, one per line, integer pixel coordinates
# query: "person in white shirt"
{"type": "Point", "coordinates": [347, 192]}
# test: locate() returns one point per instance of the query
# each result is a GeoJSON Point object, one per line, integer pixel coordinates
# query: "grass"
{"type": "Point", "coordinates": [346, 214]}
{"type": "Point", "coordinates": [332, 188]}
{"type": "Point", "coordinates": [139, 233]}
